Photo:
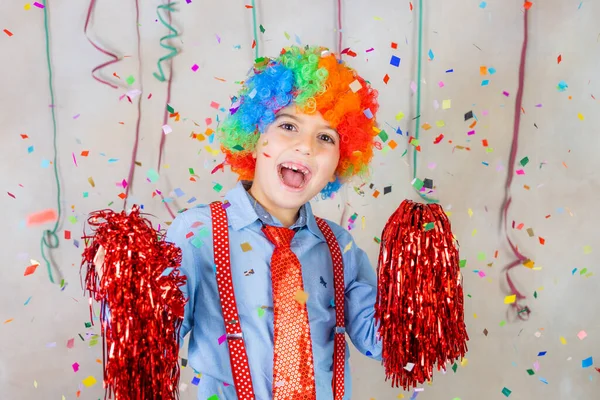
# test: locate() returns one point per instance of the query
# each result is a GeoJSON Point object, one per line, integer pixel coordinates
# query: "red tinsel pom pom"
{"type": "Point", "coordinates": [142, 305]}
{"type": "Point", "coordinates": [419, 298]}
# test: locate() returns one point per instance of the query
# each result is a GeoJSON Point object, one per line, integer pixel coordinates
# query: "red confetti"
{"type": "Point", "coordinates": [67, 235]}
{"type": "Point", "coordinates": [386, 79]}
{"type": "Point", "coordinates": [394, 45]}
{"type": "Point", "coordinates": [140, 285]}
{"type": "Point", "coordinates": [438, 139]}
{"type": "Point", "coordinates": [11, 195]}
{"type": "Point", "coordinates": [527, 5]}
{"type": "Point", "coordinates": [410, 5]}
{"type": "Point", "coordinates": [42, 217]}
{"type": "Point", "coordinates": [419, 254]}
{"type": "Point", "coordinates": [9, 33]}
{"type": "Point", "coordinates": [542, 240]}
{"type": "Point", "coordinates": [24, 136]}
{"type": "Point", "coordinates": [559, 59]}
{"type": "Point", "coordinates": [30, 270]}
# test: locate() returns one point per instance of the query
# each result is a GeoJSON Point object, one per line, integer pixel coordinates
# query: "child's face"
{"type": "Point", "coordinates": [297, 141]}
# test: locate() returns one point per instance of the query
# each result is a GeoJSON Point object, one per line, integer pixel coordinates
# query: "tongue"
{"type": "Point", "coordinates": [292, 178]}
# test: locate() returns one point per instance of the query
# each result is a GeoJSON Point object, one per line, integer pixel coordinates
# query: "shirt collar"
{"type": "Point", "coordinates": [244, 210]}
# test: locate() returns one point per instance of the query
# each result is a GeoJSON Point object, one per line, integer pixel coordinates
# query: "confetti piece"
{"type": "Point", "coordinates": [510, 299]}
{"type": "Point", "coordinates": [70, 343]}
{"type": "Point", "coordinates": [167, 129]}
{"type": "Point", "coordinates": [42, 217]}
{"type": "Point", "coordinates": [355, 86]}
{"type": "Point", "coordinates": [152, 175]}
{"type": "Point", "coordinates": [446, 104]}
{"type": "Point", "coordinates": [587, 249]}
{"type": "Point", "coordinates": [563, 340]}
{"type": "Point", "coordinates": [130, 80]}
{"type": "Point", "coordinates": [246, 247]}
{"type": "Point", "coordinates": [348, 247]}
{"type": "Point", "coordinates": [75, 367]}
{"type": "Point", "coordinates": [580, 116]}
{"type": "Point", "coordinates": [38, 5]}
{"type": "Point", "coordinates": [431, 56]}
{"type": "Point", "coordinates": [195, 67]}
{"type": "Point", "coordinates": [89, 381]}
{"type": "Point", "coordinates": [31, 269]}
{"type": "Point", "coordinates": [527, 5]}
{"type": "Point", "coordinates": [506, 392]}
{"type": "Point", "coordinates": [587, 362]}
{"type": "Point", "coordinates": [301, 296]}
{"type": "Point", "coordinates": [395, 61]}
{"type": "Point", "coordinates": [559, 59]}
{"type": "Point", "coordinates": [9, 33]}
{"type": "Point", "coordinates": [582, 335]}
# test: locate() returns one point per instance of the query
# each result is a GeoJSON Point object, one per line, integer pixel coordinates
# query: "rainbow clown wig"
{"type": "Point", "coordinates": [315, 81]}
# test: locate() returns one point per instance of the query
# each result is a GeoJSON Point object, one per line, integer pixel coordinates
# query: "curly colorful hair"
{"type": "Point", "coordinates": [315, 81]}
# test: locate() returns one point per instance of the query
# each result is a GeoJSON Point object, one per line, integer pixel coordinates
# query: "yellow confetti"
{"type": "Point", "coordinates": [474, 315]}
{"type": "Point", "coordinates": [563, 340]}
{"type": "Point", "coordinates": [364, 222]}
{"type": "Point", "coordinates": [348, 247]}
{"type": "Point", "coordinates": [211, 151]}
{"type": "Point", "coordinates": [464, 362]}
{"type": "Point", "coordinates": [27, 6]}
{"type": "Point", "coordinates": [35, 384]}
{"type": "Point", "coordinates": [301, 296]}
{"type": "Point", "coordinates": [399, 116]}
{"type": "Point", "coordinates": [470, 212]}
{"type": "Point", "coordinates": [510, 299]}
{"type": "Point", "coordinates": [91, 181]}
{"type": "Point", "coordinates": [580, 116]}
{"type": "Point", "coordinates": [587, 249]}
{"type": "Point", "coordinates": [378, 18]}
{"type": "Point", "coordinates": [440, 124]}
{"type": "Point", "coordinates": [446, 104]}
{"type": "Point", "coordinates": [287, 35]}
{"type": "Point", "coordinates": [474, 232]}
{"type": "Point", "coordinates": [529, 264]}
{"type": "Point", "coordinates": [89, 381]}
{"type": "Point", "coordinates": [245, 247]}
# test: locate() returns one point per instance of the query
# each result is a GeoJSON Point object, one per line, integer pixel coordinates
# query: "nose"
{"type": "Point", "coordinates": [305, 145]}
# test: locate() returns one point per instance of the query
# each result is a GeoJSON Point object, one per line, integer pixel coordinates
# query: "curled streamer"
{"type": "Point", "coordinates": [115, 58]}
{"type": "Point", "coordinates": [169, 7]}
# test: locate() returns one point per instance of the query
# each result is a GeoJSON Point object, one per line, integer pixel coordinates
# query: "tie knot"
{"type": "Point", "coordinates": [279, 236]}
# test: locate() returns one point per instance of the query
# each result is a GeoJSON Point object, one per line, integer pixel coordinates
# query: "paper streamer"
{"type": "Point", "coordinates": [522, 311]}
{"type": "Point", "coordinates": [418, 117]}
{"type": "Point", "coordinates": [139, 108]}
{"type": "Point", "coordinates": [339, 12]}
{"type": "Point", "coordinates": [256, 51]}
{"type": "Point", "coordinates": [169, 7]}
{"type": "Point", "coordinates": [115, 58]}
{"type": "Point", "coordinates": [50, 238]}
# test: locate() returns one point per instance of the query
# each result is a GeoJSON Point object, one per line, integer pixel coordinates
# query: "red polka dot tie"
{"type": "Point", "coordinates": [293, 370]}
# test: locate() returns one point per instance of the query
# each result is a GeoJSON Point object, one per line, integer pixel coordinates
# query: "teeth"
{"type": "Point", "coordinates": [295, 168]}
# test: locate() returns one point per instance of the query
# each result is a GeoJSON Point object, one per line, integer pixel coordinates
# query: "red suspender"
{"type": "Point", "coordinates": [339, 352]}
{"type": "Point", "coordinates": [235, 341]}
{"type": "Point", "coordinates": [237, 351]}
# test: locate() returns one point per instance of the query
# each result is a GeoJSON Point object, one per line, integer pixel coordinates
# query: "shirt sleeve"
{"type": "Point", "coordinates": [361, 295]}
{"type": "Point", "coordinates": [176, 234]}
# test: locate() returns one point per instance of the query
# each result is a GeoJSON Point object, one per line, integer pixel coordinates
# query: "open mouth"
{"type": "Point", "coordinates": [294, 176]}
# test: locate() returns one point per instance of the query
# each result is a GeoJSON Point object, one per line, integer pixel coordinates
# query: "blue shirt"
{"type": "Point", "coordinates": [250, 253]}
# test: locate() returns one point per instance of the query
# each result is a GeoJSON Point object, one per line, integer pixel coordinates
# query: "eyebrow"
{"type": "Point", "coordinates": [295, 118]}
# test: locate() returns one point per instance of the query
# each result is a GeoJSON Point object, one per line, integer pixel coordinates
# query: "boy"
{"type": "Point", "coordinates": [303, 123]}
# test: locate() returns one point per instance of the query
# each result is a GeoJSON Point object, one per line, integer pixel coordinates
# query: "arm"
{"type": "Point", "coordinates": [361, 295]}
{"type": "Point", "coordinates": [189, 261]}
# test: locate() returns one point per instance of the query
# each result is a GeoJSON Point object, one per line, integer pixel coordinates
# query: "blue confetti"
{"type": "Point", "coordinates": [544, 380]}
{"type": "Point", "coordinates": [485, 82]}
{"type": "Point", "coordinates": [193, 199]}
{"type": "Point", "coordinates": [587, 362]}
{"type": "Point", "coordinates": [27, 302]}
{"type": "Point", "coordinates": [30, 149]}
{"type": "Point", "coordinates": [195, 381]}
{"type": "Point", "coordinates": [112, 160]}
{"type": "Point", "coordinates": [542, 353]}
{"type": "Point", "coordinates": [395, 61]}
{"type": "Point", "coordinates": [449, 70]}
{"type": "Point", "coordinates": [562, 86]}
{"type": "Point", "coordinates": [431, 56]}
{"type": "Point", "coordinates": [483, 4]}
{"type": "Point", "coordinates": [492, 70]}
{"type": "Point", "coordinates": [178, 192]}
{"type": "Point", "coordinates": [368, 113]}
{"type": "Point", "coordinates": [45, 163]}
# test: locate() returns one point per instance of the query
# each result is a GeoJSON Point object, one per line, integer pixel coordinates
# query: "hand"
{"type": "Point", "coordinates": [99, 261]}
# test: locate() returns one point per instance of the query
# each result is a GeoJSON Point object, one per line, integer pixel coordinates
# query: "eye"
{"type": "Point", "coordinates": [327, 138]}
{"type": "Point", "coordinates": [287, 126]}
